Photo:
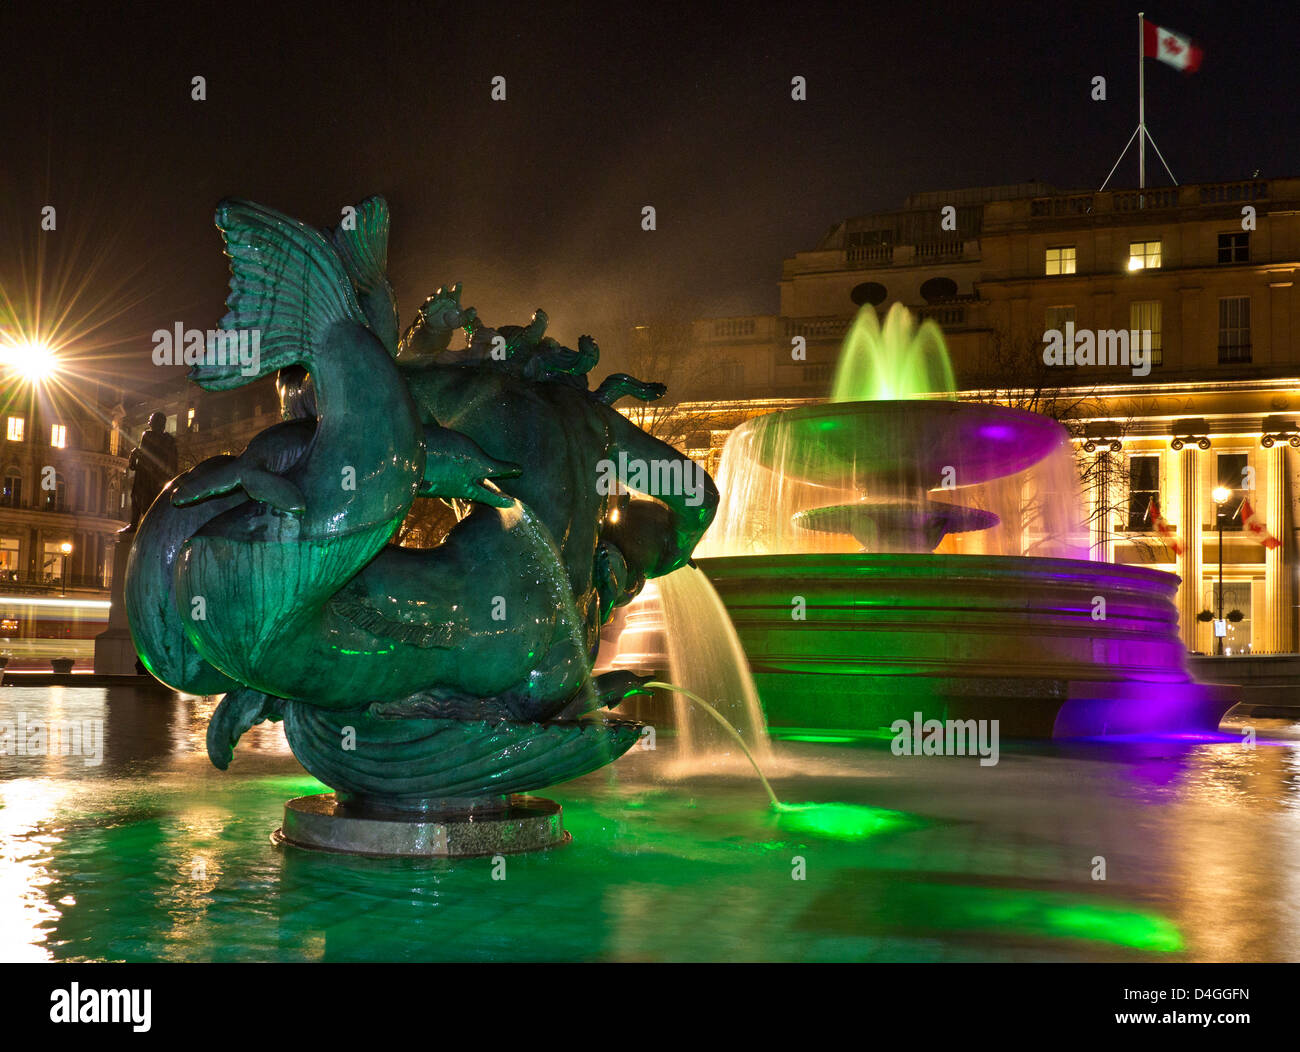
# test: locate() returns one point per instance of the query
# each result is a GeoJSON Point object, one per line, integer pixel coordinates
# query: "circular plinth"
{"type": "Point", "coordinates": [324, 823]}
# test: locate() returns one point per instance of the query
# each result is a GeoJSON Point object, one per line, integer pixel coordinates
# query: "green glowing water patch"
{"type": "Point", "coordinates": [288, 786]}
{"type": "Point", "coordinates": [1051, 915]}
{"type": "Point", "coordinates": [836, 735]}
{"type": "Point", "coordinates": [843, 821]}
{"type": "Point", "coordinates": [832, 738]}
{"type": "Point", "coordinates": [912, 907]}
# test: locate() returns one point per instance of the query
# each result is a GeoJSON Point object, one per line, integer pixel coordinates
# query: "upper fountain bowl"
{"type": "Point", "coordinates": [906, 442]}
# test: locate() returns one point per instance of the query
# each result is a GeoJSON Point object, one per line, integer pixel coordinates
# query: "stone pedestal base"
{"type": "Point", "coordinates": [324, 823]}
{"type": "Point", "coordinates": [115, 653]}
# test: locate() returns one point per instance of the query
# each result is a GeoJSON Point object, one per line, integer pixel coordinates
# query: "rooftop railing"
{"type": "Point", "coordinates": [1195, 195]}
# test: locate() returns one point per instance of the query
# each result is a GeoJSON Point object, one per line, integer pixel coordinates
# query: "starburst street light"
{"type": "Point", "coordinates": [33, 360]}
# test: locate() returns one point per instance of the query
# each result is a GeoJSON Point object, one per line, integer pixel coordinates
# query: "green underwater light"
{"type": "Point", "coordinates": [842, 821]}
{"type": "Point", "coordinates": [836, 820]}
{"type": "Point", "coordinates": [1045, 915]}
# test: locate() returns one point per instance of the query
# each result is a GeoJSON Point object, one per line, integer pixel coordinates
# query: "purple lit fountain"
{"type": "Point", "coordinates": [897, 551]}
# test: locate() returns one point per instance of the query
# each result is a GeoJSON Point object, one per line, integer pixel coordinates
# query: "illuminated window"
{"type": "Point", "coordinates": [1144, 255]}
{"type": "Point", "coordinates": [1145, 316]}
{"type": "Point", "coordinates": [15, 429]}
{"type": "Point", "coordinates": [1060, 260]}
{"type": "Point", "coordinates": [58, 436]}
{"type": "Point", "coordinates": [9, 558]}
{"type": "Point", "coordinates": [114, 440]}
{"type": "Point", "coordinates": [56, 561]}
{"type": "Point", "coordinates": [1232, 470]}
{"type": "Point", "coordinates": [1236, 596]}
{"type": "Point", "coordinates": [189, 420]}
{"type": "Point", "coordinates": [1143, 491]}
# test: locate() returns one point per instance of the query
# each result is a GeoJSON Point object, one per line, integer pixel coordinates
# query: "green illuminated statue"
{"type": "Point", "coordinates": [459, 672]}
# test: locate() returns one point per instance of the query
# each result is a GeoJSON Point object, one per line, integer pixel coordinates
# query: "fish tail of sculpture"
{"type": "Point", "coordinates": [262, 601]}
{"type": "Point", "coordinates": [319, 507]}
{"type": "Point", "coordinates": [240, 710]}
{"type": "Point", "coordinates": [362, 245]}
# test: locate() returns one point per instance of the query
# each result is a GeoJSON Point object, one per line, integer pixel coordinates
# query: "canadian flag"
{"type": "Point", "coordinates": [1255, 526]}
{"type": "Point", "coordinates": [1163, 528]}
{"type": "Point", "coordinates": [1168, 46]}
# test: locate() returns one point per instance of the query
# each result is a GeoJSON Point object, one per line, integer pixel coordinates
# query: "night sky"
{"type": "Point", "coordinates": [537, 200]}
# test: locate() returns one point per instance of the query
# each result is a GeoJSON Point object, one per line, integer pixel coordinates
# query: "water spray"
{"type": "Point", "coordinates": [777, 805]}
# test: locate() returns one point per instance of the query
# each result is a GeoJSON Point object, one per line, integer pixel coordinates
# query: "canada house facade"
{"type": "Point", "coordinates": [1201, 277]}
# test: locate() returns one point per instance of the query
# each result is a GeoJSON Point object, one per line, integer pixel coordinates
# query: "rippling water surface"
{"type": "Point", "coordinates": [151, 854]}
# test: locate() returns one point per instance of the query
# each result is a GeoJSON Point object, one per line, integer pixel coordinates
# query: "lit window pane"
{"type": "Point", "coordinates": [1060, 260]}
{"type": "Point", "coordinates": [1144, 255]}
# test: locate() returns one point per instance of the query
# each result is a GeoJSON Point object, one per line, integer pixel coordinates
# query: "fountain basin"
{"type": "Point", "coordinates": [869, 445]}
{"type": "Point", "coordinates": [1011, 638]}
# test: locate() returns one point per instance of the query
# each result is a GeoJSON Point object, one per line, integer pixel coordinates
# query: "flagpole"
{"type": "Point", "coordinates": [1142, 107]}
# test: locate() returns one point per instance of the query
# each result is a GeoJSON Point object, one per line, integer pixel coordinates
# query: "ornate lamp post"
{"type": "Point", "coordinates": [66, 549]}
{"type": "Point", "coordinates": [1221, 495]}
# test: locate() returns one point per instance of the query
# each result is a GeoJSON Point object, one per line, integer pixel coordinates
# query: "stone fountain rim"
{"type": "Point", "coordinates": [879, 563]}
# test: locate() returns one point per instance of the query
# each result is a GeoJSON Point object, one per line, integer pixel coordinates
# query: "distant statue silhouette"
{"type": "Point", "coordinates": [154, 463]}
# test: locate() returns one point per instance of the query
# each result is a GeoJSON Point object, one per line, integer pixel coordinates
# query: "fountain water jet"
{"type": "Point", "coordinates": [705, 657]}
{"type": "Point", "coordinates": [840, 821]}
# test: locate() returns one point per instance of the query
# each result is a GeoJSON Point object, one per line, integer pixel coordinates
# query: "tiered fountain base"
{"type": "Point", "coordinates": [1018, 639]}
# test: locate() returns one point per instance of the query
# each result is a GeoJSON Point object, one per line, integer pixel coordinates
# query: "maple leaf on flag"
{"type": "Point", "coordinates": [1170, 47]}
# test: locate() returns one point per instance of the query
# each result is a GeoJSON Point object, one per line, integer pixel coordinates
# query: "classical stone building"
{"type": "Point", "coordinates": [62, 487]}
{"type": "Point", "coordinates": [1207, 270]}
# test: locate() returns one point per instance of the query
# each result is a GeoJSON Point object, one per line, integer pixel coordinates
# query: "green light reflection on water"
{"type": "Point", "coordinates": [843, 821]}
{"type": "Point", "coordinates": [1044, 915]}
{"type": "Point", "coordinates": [824, 738]}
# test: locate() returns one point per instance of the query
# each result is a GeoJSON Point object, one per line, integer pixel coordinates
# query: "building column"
{"type": "Point", "coordinates": [1189, 526]}
{"type": "Point", "coordinates": [1277, 563]}
{"type": "Point", "coordinates": [1103, 540]}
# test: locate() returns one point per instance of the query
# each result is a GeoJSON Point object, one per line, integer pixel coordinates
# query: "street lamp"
{"type": "Point", "coordinates": [66, 549]}
{"type": "Point", "coordinates": [32, 360]}
{"type": "Point", "coordinates": [1221, 495]}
